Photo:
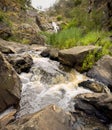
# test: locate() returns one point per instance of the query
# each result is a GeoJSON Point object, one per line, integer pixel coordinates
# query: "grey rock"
{"type": "Point", "coordinates": [10, 85]}
{"type": "Point", "coordinates": [75, 56]}
{"type": "Point", "coordinates": [102, 71]}
{"type": "Point", "coordinates": [50, 118]}
{"type": "Point", "coordinates": [21, 63]}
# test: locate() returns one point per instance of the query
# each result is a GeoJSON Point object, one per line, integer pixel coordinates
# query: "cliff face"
{"type": "Point", "coordinates": [94, 12]}
{"type": "Point", "coordinates": [12, 5]}
{"type": "Point", "coordinates": [17, 22]}
{"type": "Point", "coordinates": [104, 7]}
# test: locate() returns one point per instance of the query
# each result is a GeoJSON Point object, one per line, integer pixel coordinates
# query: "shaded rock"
{"type": "Point", "coordinates": [95, 104]}
{"type": "Point", "coordinates": [10, 85]}
{"type": "Point", "coordinates": [21, 63]}
{"type": "Point", "coordinates": [42, 20]}
{"type": "Point", "coordinates": [38, 39]}
{"type": "Point", "coordinates": [8, 47]}
{"type": "Point", "coordinates": [94, 86]}
{"type": "Point", "coordinates": [52, 53]}
{"type": "Point", "coordinates": [87, 122]}
{"type": "Point", "coordinates": [50, 118]}
{"type": "Point", "coordinates": [106, 11]}
{"type": "Point", "coordinates": [75, 56]}
{"type": "Point", "coordinates": [102, 71]}
{"type": "Point", "coordinates": [6, 50]}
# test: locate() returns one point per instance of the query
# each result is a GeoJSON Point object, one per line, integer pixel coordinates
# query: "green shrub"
{"type": "Point", "coordinates": [59, 18]}
{"type": "Point", "coordinates": [75, 36]}
{"type": "Point", "coordinates": [90, 60]}
{"type": "Point", "coordinates": [5, 19]}
{"type": "Point", "coordinates": [66, 38]}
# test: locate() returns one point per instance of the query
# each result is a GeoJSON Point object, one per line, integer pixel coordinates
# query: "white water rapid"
{"type": "Point", "coordinates": [47, 84]}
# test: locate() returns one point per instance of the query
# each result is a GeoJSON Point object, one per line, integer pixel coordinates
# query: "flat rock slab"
{"type": "Point", "coordinates": [75, 56]}
{"type": "Point", "coordinates": [50, 118]}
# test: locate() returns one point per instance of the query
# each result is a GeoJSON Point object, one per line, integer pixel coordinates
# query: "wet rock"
{"type": "Point", "coordinates": [87, 122]}
{"type": "Point", "coordinates": [52, 53]}
{"type": "Point", "coordinates": [75, 56]}
{"type": "Point", "coordinates": [50, 118]}
{"type": "Point", "coordinates": [94, 86]}
{"type": "Point", "coordinates": [21, 63]}
{"type": "Point", "coordinates": [10, 85]}
{"type": "Point", "coordinates": [102, 71]}
{"type": "Point", "coordinates": [8, 118]}
{"type": "Point", "coordinates": [95, 104]}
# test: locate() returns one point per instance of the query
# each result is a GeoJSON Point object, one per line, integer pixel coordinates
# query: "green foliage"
{"type": "Point", "coordinates": [90, 60]}
{"type": "Point", "coordinates": [99, 39]}
{"type": "Point", "coordinates": [59, 18]}
{"type": "Point", "coordinates": [1, 17]}
{"type": "Point", "coordinates": [66, 38]}
{"type": "Point", "coordinates": [75, 37]}
{"type": "Point", "coordinates": [4, 18]}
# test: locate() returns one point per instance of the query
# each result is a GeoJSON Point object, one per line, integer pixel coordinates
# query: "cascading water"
{"type": "Point", "coordinates": [47, 84]}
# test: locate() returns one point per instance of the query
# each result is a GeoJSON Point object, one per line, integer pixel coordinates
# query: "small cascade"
{"type": "Point", "coordinates": [47, 84]}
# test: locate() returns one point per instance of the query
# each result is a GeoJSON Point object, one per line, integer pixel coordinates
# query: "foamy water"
{"type": "Point", "coordinates": [46, 84]}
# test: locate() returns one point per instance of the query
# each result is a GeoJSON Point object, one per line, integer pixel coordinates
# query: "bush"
{"type": "Point", "coordinates": [5, 18]}
{"type": "Point", "coordinates": [59, 18]}
{"type": "Point", "coordinates": [66, 38]}
{"type": "Point", "coordinates": [75, 36]}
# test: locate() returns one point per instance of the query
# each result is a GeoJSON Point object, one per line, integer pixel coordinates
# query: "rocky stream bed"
{"type": "Point", "coordinates": [48, 95]}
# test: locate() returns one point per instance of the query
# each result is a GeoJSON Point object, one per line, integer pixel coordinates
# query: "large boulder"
{"type": "Point", "coordinates": [8, 47]}
{"type": "Point", "coordinates": [52, 53]}
{"type": "Point", "coordinates": [102, 71]}
{"type": "Point", "coordinates": [10, 85]}
{"type": "Point", "coordinates": [21, 63]}
{"type": "Point", "coordinates": [75, 56]}
{"type": "Point", "coordinates": [50, 118]}
{"type": "Point", "coordinates": [95, 104]}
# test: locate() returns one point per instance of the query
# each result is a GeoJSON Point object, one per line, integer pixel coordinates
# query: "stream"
{"type": "Point", "coordinates": [47, 83]}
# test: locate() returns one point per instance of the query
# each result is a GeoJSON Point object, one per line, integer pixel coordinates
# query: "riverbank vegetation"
{"type": "Point", "coordinates": [83, 24]}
